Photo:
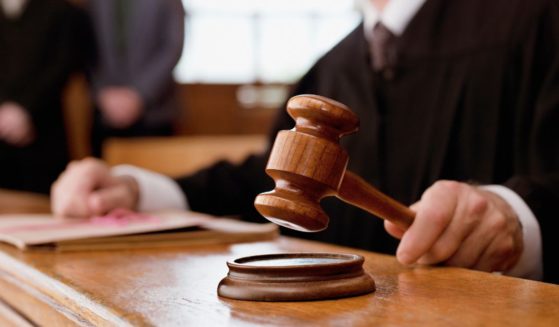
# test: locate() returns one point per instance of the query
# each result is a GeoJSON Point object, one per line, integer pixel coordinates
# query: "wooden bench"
{"type": "Point", "coordinates": [175, 156]}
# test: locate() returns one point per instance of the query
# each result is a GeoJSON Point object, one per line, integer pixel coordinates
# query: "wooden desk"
{"type": "Point", "coordinates": [177, 287]}
{"type": "Point", "coordinates": [22, 202]}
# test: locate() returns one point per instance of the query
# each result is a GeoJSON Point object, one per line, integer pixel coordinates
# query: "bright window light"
{"type": "Point", "coordinates": [267, 41]}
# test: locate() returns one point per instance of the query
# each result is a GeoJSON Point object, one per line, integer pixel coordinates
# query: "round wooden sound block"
{"type": "Point", "coordinates": [295, 277]}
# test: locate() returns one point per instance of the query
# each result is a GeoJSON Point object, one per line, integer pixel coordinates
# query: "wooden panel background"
{"type": "Point", "coordinates": [181, 155]}
{"type": "Point", "coordinates": [214, 109]}
{"type": "Point", "coordinates": [205, 109]}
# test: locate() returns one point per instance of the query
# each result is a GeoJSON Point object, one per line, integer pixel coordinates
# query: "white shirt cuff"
{"type": "Point", "coordinates": [530, 264]}
{"type": "Point", "coordinates": [156, 191]}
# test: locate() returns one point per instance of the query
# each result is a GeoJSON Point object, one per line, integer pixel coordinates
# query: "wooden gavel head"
{"type": "Point", "coordinates": [307, 163]}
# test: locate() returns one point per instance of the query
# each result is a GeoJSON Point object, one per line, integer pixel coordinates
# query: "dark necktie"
{"type": "Point", "coordinates": [383, 51]}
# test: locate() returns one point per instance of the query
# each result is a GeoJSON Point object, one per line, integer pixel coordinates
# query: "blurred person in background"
{"type": "Point", "coordinates": [37, 55]}
{"type": "Point", "coordinates": [139, 43]}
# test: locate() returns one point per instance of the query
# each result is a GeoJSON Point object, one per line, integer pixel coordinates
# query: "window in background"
{"type": "Point", "coordinates": [260, 41]}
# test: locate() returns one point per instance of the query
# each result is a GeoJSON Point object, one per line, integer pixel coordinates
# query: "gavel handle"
{"type": "Point", "coordinates": [354, 190]}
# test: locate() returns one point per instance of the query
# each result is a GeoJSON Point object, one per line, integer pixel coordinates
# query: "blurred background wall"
{"type": "Point", "coordinates": [240, 57]}
{"type": "Point", "coordinates": [239, 60]}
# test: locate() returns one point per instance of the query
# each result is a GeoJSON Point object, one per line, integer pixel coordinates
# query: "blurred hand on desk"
{"type": "Point", "coordinates": [86, 188]}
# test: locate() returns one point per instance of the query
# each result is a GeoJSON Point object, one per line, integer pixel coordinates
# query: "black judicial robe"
{"type": "Point", "coordinates": [37, 54]}
{"type": "Point", "coordinates": [475, 98]}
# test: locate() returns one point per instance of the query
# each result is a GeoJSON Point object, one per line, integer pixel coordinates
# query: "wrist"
{"type": "Point", "coordinates": [530, 264]}
{"type": "Point", "coordinates": [133, 189]}
{"type": "Point", "coordinates": [156, 191]}
{"type": "Point", "coordinates": [501, 204]}
{"type": "Point", "coordinates": [510, 227]}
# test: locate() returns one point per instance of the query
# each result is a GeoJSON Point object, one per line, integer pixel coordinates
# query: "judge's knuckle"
{"type": "Point", "coordinates": [72, 164]}
{"type": "Point", "coordinates": [505, 249]}
{"type": "Point", "coordinates": [477, 204]}
{"type": "Point", "coordinates": [437, 218]}
{"type": "Point", "coordinates": [447, 186]}
{"type": "Point", "coordinates": [67, 210]}
{"type": "Point", "coordinates": [89, 163]}
{"type": "Point", "coordinates": [457, 261]}
{"type": "Point", "coordinates": [61, 207]}
{"type": "Point", "coordinates": [514, 227]}
{"type": "Point", "coordinates": [440, 253]}
{"type": "Point", "coordinates": [498, 224]}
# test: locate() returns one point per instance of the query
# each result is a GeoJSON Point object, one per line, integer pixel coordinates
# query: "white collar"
{"type": "Point", "coordinates": [13, 8]}
{"type": "Point", "coordinates": [396, 15]}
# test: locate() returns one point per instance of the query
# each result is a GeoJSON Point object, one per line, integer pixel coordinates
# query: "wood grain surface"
{"type": "Point", "coordinates": [177, 287]}
{"type": "Point", "coordinates": [23, 202]}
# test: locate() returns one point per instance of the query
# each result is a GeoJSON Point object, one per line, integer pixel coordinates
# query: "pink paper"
{"type": "Point", "coordinates": [123, 217]}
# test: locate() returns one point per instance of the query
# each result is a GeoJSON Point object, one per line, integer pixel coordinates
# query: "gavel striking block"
{"type": "Point", "coordinates": [307, 164]}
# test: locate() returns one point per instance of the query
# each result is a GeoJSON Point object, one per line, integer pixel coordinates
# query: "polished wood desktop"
{"type": "Point", "coordinates": [23, 202]}
{"type": "Point", "coordinates": [177, 287]}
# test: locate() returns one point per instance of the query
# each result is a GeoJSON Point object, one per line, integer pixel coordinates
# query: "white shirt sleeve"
{"type": "Point", "coordinates": [156, 191]}
{"type": "Point", "coordinates": [530, 264]}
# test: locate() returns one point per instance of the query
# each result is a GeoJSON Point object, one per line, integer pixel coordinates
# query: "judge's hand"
{"type": "Point", "coordinates": [461, 225]}
{"type": "Point", "coordinates": [121, 106]}
{"type": "Point", "coordinates": [86, 188]}
{"type": "Point", "coordinates": [16, 127]}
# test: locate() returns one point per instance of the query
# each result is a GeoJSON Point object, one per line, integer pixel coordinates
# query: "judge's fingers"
{"type": "Point", "coordinates": [496, 242]}
{"type": "Point", "coordinates": [70, 192]}
{"type": "Point", "coordinates": [501, 255]}
{"type": "Point", "coordinates": [509, 246]}
{"type": "Point", "coordinates": [468, 252]}
{"type": "Point", "coordinates": [393, 229]}
{"type": "Point", "coordinates": [505, 250]}
{"type": "Point", "coordinates": [434, 214]}
{"type": "Point", "coordinates": [470, 209]}
{"type": "Point", "coordinates": [106, 199]}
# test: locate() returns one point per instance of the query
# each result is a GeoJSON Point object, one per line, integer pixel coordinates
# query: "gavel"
{"type": "Point", "coordinates": [308, 163]}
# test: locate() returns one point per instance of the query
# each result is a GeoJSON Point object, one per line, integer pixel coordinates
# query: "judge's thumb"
{"type": "Point", "coordinates": [106, 199]}
{"type": "Point", "coordinates": [393, 229]}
